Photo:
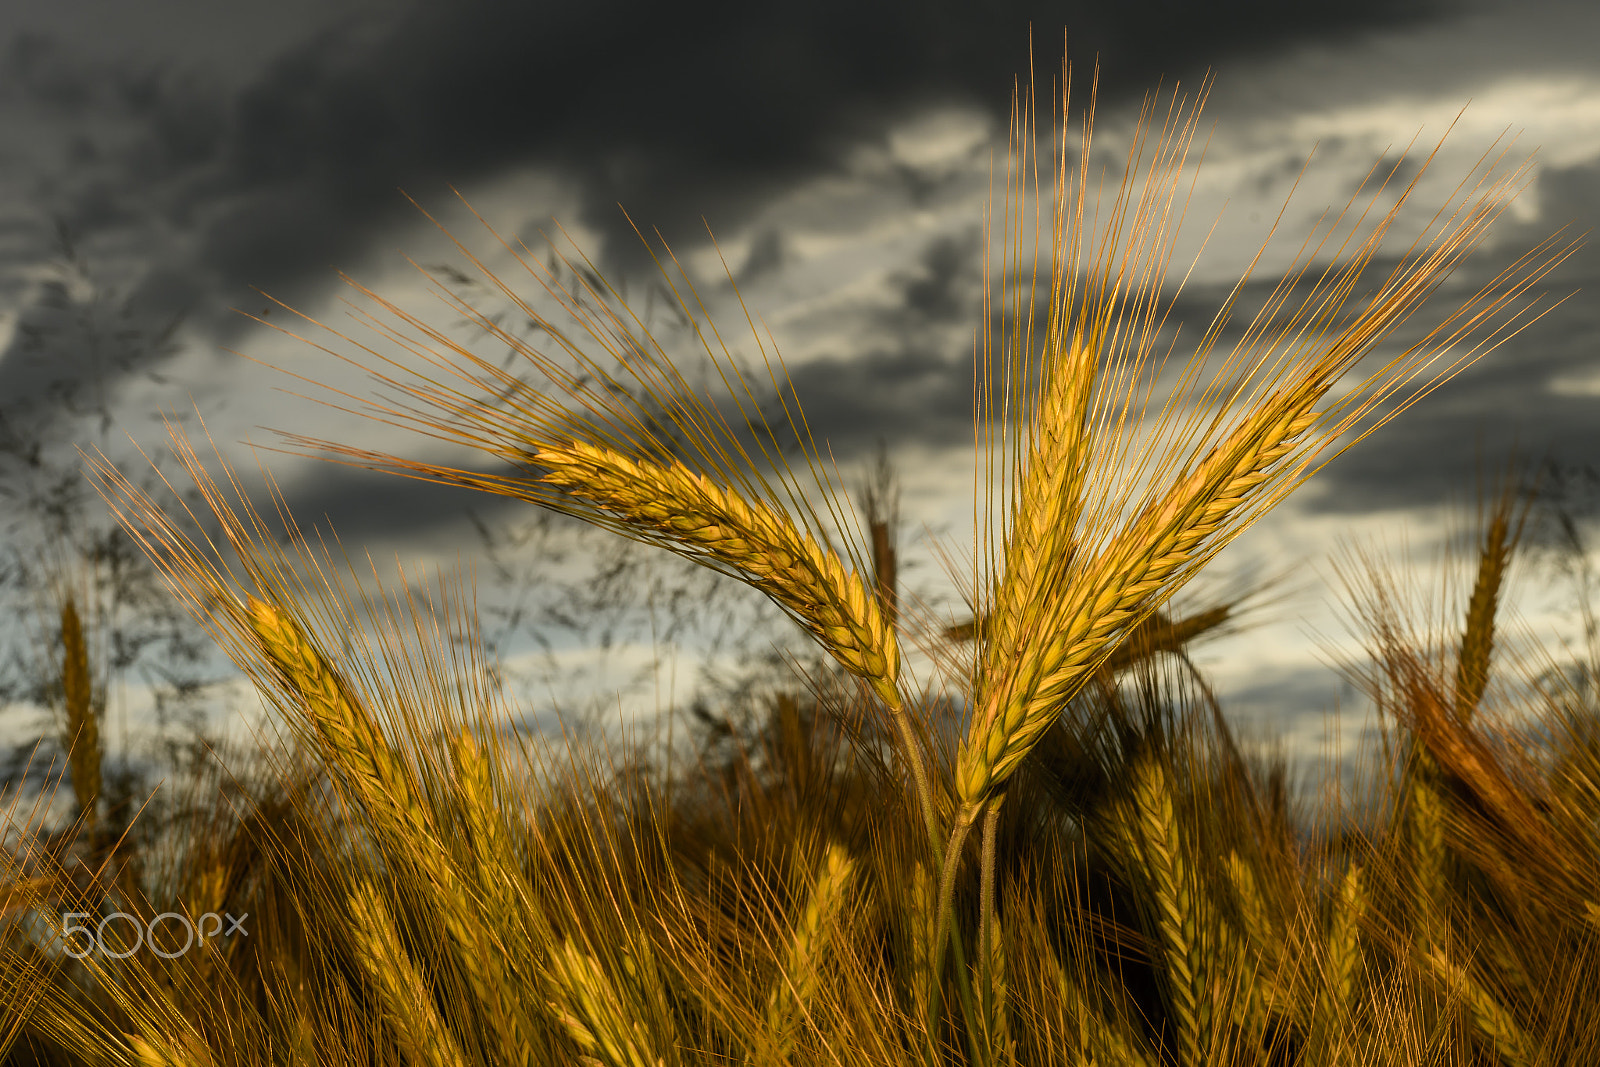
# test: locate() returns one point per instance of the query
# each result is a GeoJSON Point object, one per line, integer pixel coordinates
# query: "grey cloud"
{"type": "Point", "coordinates": [766, 256]}
{"type": "Point", "coordinates": [673, 114]}
{"type": "Point", "coordinates": [370, 507]}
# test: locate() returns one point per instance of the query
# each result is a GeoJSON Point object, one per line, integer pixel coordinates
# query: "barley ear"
{"type": "Point", "coordinates": [1260, 950]}
{"type": "Point", "coordinates": [1429, 857]}
{"type": "Point", "coordinates": [350, 740]}
{"type": "Point", "coordinates": [759, 542]}
{"type": "Point", "coordinates": [1030, 681]}
{"type": "Point", "coordinates": [1493, 1022]}
{"type": "Point", "coordinates": [995, 992]}
{"type": "Point", "coordinates": [1248, 986]}
{"type": "Point", "coordinates": [511, 930]}
{"type": "Point", "coordinates": [597, 1014]}
{"type": "Point", "coordinates": [795, 988]}
{"type": "Point", "coordinates": [717, 525]}
{"type": "Point", "coordinates": [1341, 966]}
{"type": "Point", "coordinates": [492, 854]}
{"type": "Point", "coordinates": [1477, 639]}
{"type": "Point", "coordinates": [1177, 910]}
{"type": "Point", "coordinates": [1039, 546]}
{"type": "Point", "coordinates": [187, 1051]}
{"type": "Point", "coordinates": [355, 748]}
{"type": "Point", "coordinates": [408, 1004]}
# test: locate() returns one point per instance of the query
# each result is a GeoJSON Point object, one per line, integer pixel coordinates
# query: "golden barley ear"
{"type": "Point", "coordinates": [264, 633]}
{"type": "Point", "coordinates": [1076, 572]}
{"type": "Point", "coordinates": [598, 1010]}
{"type": "Point", "coordinates": [1252, 954]}
{"type": "Point", "coordinates": [1333, 1013]}
{"type": "Point", "coordinates": [795, 988]}
{"type": "Point", "coordinates": [1179, 920]}
{"type": "Point", "coordinates": [409, 1009]}
{"type": "Point", "coordinates": [917, 928]}
{"type": "Point", "coordinates": [995, 994]}
{"type": "Point", "coordinates": [1501, 528]}
{"type": "Point", "coordinates": [354, 747]}
{"type": "Point", "coordinates": [1430, 859]}
{"type": "Point", "coordinates": [762, 544]}
{"type": "Point", "coordinates": [162, 1051]}
{"type": "Point", "coordinates": [1429, 801]}
{"type": "Point", "coordinates": [349, 738]}
{"type": "Point", "coordinates": [1494, 1023]}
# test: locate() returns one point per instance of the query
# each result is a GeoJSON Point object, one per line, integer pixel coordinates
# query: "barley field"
{"type": "Point", "coordinates": [1092, 870]}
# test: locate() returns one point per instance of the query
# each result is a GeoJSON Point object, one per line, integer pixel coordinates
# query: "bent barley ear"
{"type": "Point", "coordinates": [762, 544]}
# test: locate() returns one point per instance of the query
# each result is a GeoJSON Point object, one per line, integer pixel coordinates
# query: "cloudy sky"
{"type": "Point", "coordinates": [191, 154]}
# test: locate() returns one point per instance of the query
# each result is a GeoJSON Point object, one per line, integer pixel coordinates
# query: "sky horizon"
{"type": "Point", "coordinates": [193, 158]}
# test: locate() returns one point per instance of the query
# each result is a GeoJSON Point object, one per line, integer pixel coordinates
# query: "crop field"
{"type": "Point", "coordinates": [1090, 870]}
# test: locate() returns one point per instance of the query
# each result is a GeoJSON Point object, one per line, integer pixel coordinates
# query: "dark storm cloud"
{"type": "Point", "coordinates": [1534, 396]}
{"type": "Point", "coordinates": [365, 507]}
{"type": "Point", "coordinates": [912, 383]}
{"type": "Point", "coordinates": [1508, 404]}
{"type": "Point", "coordinates": [1509, 401]}
{"type": "Point", "coordinates": [676, 113]}
{"type": "Point", "coordinates": [679, 116]}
